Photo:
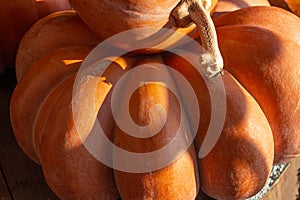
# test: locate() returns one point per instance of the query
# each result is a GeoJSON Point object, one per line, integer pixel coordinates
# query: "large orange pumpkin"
{"type": "Point", "coordinates": [16, 17]}
{"type": "Point", "coordinates": [58, 144]}
{"type": "Point", "coordinates": [262, 118]}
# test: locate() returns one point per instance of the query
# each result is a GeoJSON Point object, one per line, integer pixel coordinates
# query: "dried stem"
{"type": "Point", "coordinates": [197, 11]}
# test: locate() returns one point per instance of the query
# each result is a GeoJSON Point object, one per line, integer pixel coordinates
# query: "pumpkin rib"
{"type": "Point", "coordinates": [86, 88]}
{"type": "Point", "coordinates": [159, 183]}
{"type": "Point", "coordinates": [268, 17]}
{"type": "Point", "coordinates": [272, 79]}
{"type": "Point", "coordinates": [234, 147]}
{"type": "Point", "coordinates": [44, 111]}
{"type": "Point", "coordinates": [47, 72]}
{"type": "Point", "coordinates": [54, 31]}
{"type": "Point", "coordinates": [246, 165]}
{"type": "Point", "coordinates": [62, 143]}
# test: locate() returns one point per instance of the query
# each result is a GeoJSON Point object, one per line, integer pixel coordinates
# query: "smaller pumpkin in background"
{"type": "Point", "coordinates": [268, 17]}
{"type": "Point", "coordinates": [226, 6]}
{"type": "Point", "coordinates": [290, 5]}
{"type": "Point", "coordinates": [107, 18]}
{"type": "Point", "coordinates": [45, 7]}
{"type": "Point", "coordinates": [294, 6]}
{"type": "Point", "coordinates": [54, 31]}
{"type": "Point", "coordinates": [16, 17]}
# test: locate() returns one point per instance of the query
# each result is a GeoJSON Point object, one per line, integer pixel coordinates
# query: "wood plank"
{"type": "Point", "coordinates": [4, 192]}
{"type": "Point", "coordinates": [24, 177]}
{"type": "Point", "coordinates": [288, 184]}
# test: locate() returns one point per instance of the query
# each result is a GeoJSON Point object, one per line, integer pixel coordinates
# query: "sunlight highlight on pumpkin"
{"type": "Point", "coordinates": [69, 62]}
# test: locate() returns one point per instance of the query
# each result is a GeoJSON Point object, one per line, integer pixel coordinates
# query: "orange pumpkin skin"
{"type": "Point", "coordinates": [227, 6]}
{"type": "Point", "coordinates": [69, 168]}
{"type": "Point", "coordinates": [272, 78]}
{"type": "Point", "coordinates": [262, 89]}
{"type": "Point", "coordinates": [115, 17]}
{"type": "Point", "coordinates": [226, 169]}
{"type": "Point", "coordinates": [281, 90]}
{"type": "Point", "coordinates": [178, 180]}
{"type": "Point", "coordinates": [52, 67]}
{"type": "Point", "coordinates": [16, 17]}
{"type": "Point", "coordinates": [250, 134]}
{"type": "Point", "coordinates": [59, 146]}
{"type": "Point", "coordinates": [268, 17]}
{"type": "Point", "coordinates": [54, 31]}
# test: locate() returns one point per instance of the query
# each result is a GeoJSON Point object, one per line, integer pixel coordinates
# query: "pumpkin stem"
{"type": "Point", "coordinates": [198, 12]}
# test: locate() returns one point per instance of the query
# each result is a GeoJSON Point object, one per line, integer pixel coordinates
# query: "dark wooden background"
{"type": "Point", "coordinates": [22, 179]}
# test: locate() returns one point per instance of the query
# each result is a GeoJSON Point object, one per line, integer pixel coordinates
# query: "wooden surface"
{"type": "Point", "coordinates": [4, 192]}
{"type": "Point", "coordinates": [288, 186]}
{"type": "Point", "coordinates": [22, 179]}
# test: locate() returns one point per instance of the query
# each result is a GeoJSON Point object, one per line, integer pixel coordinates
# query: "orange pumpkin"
{"type": "Point", "coordinates": [226, 6]}
{"type": "Point", "coordinates": [116, 17]}
{"type": "Point", "coordinates": [51, 32]}
{"type": "Point", "coordinates": [58, 144]}
{"type": "Point", "coordinates": [16, 17]}
{"type": "Point", "coordinates": [261, 100]}
{"type": "Point", "coordinates": [265, 16]}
